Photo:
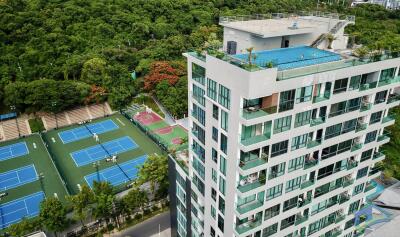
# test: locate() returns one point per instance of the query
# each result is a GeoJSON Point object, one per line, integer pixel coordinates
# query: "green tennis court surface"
{"type": "Point", "coordinates": [73, 175]}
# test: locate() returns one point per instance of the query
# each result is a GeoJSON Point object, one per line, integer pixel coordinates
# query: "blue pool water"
{"type": "Point", "coordinates": [289, 58]}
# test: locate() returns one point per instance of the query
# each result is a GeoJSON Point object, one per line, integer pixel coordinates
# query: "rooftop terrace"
{"type": "Point", "coordinates": [289, 58]}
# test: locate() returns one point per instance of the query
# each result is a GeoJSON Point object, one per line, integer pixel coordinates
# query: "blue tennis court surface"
{"type": "Point", "coordinates": [86, 131]}
{"type": "Point", "coordinates": [97, 152]}
{"type": "Point", "coordinates": [17, 177]}
{"type": "Point", "coordinates": [12, 151]}
{"type": "Point", "coordinates": [294, 57]}
{"type": "Point", "coordinates": [114, 175]}
{"type": "Point", "coordinates": [26, 207]}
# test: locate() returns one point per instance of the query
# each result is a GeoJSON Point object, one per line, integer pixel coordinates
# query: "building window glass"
{"type": "Point", "coordinates": [286, 101]}
{"type": "Point", "coordinates": [221, 205]}
{"type": "Point", "coordinates": [224, 143]}
{"type": "Point", "coordinates": [299, 141]}
{"type": "Point", "coordinates": [358, 189]}
{"type": "Point", "coordinates": [355, 82]}
{"type": "Point", "coordinates": [296, 163]}
{"type": "Point", "coordinates": [214, 155]}
{"type": "Point", "coordinates": [354, 207]}
{"type": "Point", "coordinates": [199, 133]}
{"type": "Point", "coordinates": [198, 95]}
{"type": "Point", "coordinates": [272, 211]}
{"type": "Point", "coordinates": [375, 117]}
{"type": "Point", "coordinates": [198, 73]}
{"type": "Point", "coordinates": [333, 131]}
{"type": "Point", "coordinates": [199, 167]}
{"type": "Point", "coordinates": [215, 112]}
{"type": "Point", "coordinates": [380, 97]}
{"type": "Point", "coordinates": [221, 223]}
{"type": "Point", "coordinates": [222, 185]}
{"type": "Point", "coordinates": [214, 134]}
{"type": "Point", "coordinates": [199, 114]}
{"type": "Point", "coordinates": [362, 172]}
{"type": "Point", "coordinates": [366, 155]}
{"type": "Point", "coordinates": [270, 230]}
{"type": "Point", "coordinates": [340, 86]}
{"type": "Point", "coordinates": [224, 97]}
{"type": "Point", "coordinates": [293, 184]}
{"type": "Point", "coordinates": [214, 193]}
{"type": "Point", "coordinates": [370, 137]}
{"type": "Point", "coordinates": [224, 120]}
{"type": "Point", "coordinates": [279, 148]}
{"type": "Point", "coordinates": [214, 175]}
{"type": "Point", "coordinates": [199, 151]}
{"type": "Point", "coordinates": [274, 192]}
{"type": "Point", "coordinates": [277, 170]}
{"type": "Point", "coordinates": [302, 118]}
{"type": "Point", "coordinates": [222, 165]}
{"type": "Point", "coordinates": [349, 126]}
{"type": "Point", "coordinates": [304, 94]}
{"type": "Point", "coordinates": [282, 124]}
{"type": "Point", "coordinates": [387, 74]}
{"type": "Point", "coordinates": [211, 89]}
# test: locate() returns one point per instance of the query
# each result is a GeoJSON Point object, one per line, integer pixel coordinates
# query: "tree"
{"type": "Point", "coordinates": [24, 227]}
{"type": "Point", "coordinates": [94, 71]}
{"type": "Point", "coordinates": [53, 215]}
{"type": "Point", "coordinates": [160, 71]}
{"type": "Point", "coordinates": [81, 203]}
{"type": "Point", "coordinates": [155, 172]}
{"type": "Point", "coordinates": [136, 198]}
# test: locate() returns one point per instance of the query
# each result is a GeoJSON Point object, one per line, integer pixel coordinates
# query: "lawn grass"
{"type": "Point", "coordinates": [74, 175]}
{"type": "Point", "coordinates": [51, 182]}
{"type": "Point", "coordinates": [36, 125]}
{"type": "Point", "coordinates": [149, 102]}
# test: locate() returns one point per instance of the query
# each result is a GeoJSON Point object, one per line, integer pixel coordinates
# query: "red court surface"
{"type": "Point", "coordinates": [147, 118]}
{"type": "Point", "coordinates": [165, 130]}
{"type": "Point", "coordinates": [177, 140]}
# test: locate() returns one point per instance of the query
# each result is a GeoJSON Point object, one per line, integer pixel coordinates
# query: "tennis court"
{"type": "Point", "coordinates": [117, 174]}
{"type": "Point", "coordinates": [86, 131]}
{"type": "Point", "coordinates": [102, 151]}
{"type": "Point", "coordinates": [25, 207]}
{"type": "Point", "coordinates": [13, 150]}
{"type": "Point", "coordinates": [17, 177]}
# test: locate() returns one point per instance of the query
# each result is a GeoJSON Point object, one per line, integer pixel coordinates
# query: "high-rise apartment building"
{"type": "Point", "coordinates": [287, 126]}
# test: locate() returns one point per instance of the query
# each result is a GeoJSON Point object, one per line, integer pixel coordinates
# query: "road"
{"type": "Point", "coordinates": [149, 228]}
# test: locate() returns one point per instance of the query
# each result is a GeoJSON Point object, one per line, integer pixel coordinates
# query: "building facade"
{"type": "Point", "coordinates": [285, 138]}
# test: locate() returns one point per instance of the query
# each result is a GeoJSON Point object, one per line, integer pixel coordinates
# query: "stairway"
{"type": "Point", "coordinates": [332, 31]}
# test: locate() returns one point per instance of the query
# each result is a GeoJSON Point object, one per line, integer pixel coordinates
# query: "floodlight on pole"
{"type": "Point", "coordinates": [14, 109]}
{"type": "Point", "coordinates": [54, 104]}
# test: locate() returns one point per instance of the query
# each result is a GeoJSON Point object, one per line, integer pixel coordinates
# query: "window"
{"type": "Point", "coordinates": [221, 205]}
{"type": "Point", "coordinates": [293, 184]}
{"type": "Point", "coordinates": [212, 232]}
{"type": "Point", "coordinates": [198, 73]}
{"type": "Point", "coordinates": [222, 185]}
{"type": "Point", "coordinates": [282, 124]}
{"type": "Point", "coordinates": [199, 151]}
{"type": "Point", "coordinates": [221, 223]}
{"type": "Point", "coordinates": [213, 212]}
{"type": "Point", "coordinates": [199, 114]}
{"type": "Point", "coordinates": [358, 189]}
{"type": "Point", "coordinates": [366, 155]}
{"type": "Point", "coordinates": [224, 120]}
{"type": "Point", "coordinates": [354, 207]}
{"type": "Point", "coordinates": [224, 143]}
{"type": "Point", "coordinates": [277, 170]}
{"type": "Point", "coordinates": [198, 95]}
{"type": "Point", "coordinates": [362, 172]}
{"type": "Point", "coordinates": [291, 203]}
{"type": "Point", "coordinates": [380, 97]}
{"type": "Point", "coordinates": [272, 211]}
{"type": "Point", "coordinates": [353, 104]}
{"type": "Point", "coordinates": [375, 117]}
{"type": "Point", "coordinates": [274, 192]}
{"type": "Point", "coordinates": [279, 148]}
{"type": "Point", "coordinates": [302, 118]}
{"type": "Point", "coordinates": [285, 223]}
{"type": "Point", "coordinates": [224, 97]}
{"type": "Point", "coordinates": [333, 131]}
{"type": "Point", "coordinates": [304, 94]}
{"type": "Point", "coordinates": [387, 74]}
{"type": "Point", "coordinates": [349, 126]}
{"type": "Point", "coordinates": [286, 101]}
{"type": "Point", "coordinates": [347, 225]}
{"type": "Point", "coordinates": [214, 175]}
{"type": "Point", "coordinates": [215, 112]}
{"type": "Point", "coordinates": [213, 194]}
{"type": "Point", "coordinates": [199, 133]}
{"type": "Point", "coordinates": [299, 141]}
{"type": "Point", "coordinates": [270, 230]}
{"type": "Point", "coordinates": [214, 134]}
{"type": "Point", "coordinates": [222, 165]}
{"type": "Point", "coordinates": [296, 163]}
{"type": "Point", "coordinates": [212, 89]}
{"type": "Point", "coordinates": [370, 137]}
{"type": "Point", "coordinates": [355, 82]}
{"type": "Point", "coordinates": [340, 86]}
{"type": "Point", "coordinates": [199, 167]}
{"type": "Point", "coordinates": [214, 155]}
{"type": "Point", "coordinates": [198, 183]}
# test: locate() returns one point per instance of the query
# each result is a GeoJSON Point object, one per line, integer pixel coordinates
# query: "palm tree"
{"type": "Point", "coordinates": [80, 203]}
{"type": "Point", "coordinates": [250, 55]}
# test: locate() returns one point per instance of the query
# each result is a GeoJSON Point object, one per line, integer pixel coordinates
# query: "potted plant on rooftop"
{"type": "Point", "coordinates": [361, 52]}
{"type": "Point", "coordinates": [330, 37]}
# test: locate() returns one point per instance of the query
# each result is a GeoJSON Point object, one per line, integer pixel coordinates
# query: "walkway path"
{"type": "Point", "coordinates": [168, 118]}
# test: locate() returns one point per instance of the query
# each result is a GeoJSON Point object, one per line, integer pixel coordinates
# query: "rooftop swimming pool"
{"type": "Point", "coordinates": [289, 58]}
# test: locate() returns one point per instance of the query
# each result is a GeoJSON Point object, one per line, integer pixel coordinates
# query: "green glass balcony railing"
{"type": "Point", "coordinates": [389, 81]}
{"type": "Point", "coordinates": [365, 106]}
{"type": "Point", "coordinates": [321, 98]}
{"type": "Point", "coordinates": [343, 198]}
{"type": "Point", "coordinates": [336, 233]}
{"type": "Point", "coordinates": [310, 163]}
{"type": "Point", "coordinates": [314, 143]}
{"type": "Point", "coordinates": [388, 118]}
{"type": "Point", "coordinates": [250, 186]}
{"type": "Point", "coordinates": [352, 164]}
{"type": "Point", "coordinates": [256, 139]}
{"type": "Point", "coordinates": [317, 121]}
{"type": "Point", "coordinates": [368, 86]}
{"type": "Point", "coordinates": [306, 184]}
{"type": "Point", "coordinates": [242, 209]}
{"type": "Point", "coordinates": [300, 219]}
{"type": "Point", "coordinates": [252, 113]}
{"type": "Point", "coordinates": [240, 229]}
{"type": "Point", "coordinates": [304, 203]}
{"type": "Point", "coordinates": [377, 155]}
{"type": "Point", "coordinates": [383, 137]}
{"type": "Point", "coordinates": [393, 98]}
{"type": "Point", "coordinates": [356, 146]}
{"type": "Point", "coordinates": [347, 182]}
{"type": "Point", "coordinates": [375, 170]}
{"type": "Point", "coordinates": [339, 218]}
{"type": "Point", "coordinates": [361, 126]}
{"type": "Point", "coordinates": [245, 165]}
{"type": "Point", "coordinates": [368, 187]}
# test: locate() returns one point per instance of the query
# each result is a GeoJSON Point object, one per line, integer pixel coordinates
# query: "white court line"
{"type": "Point", "coordinates": [123, 124]}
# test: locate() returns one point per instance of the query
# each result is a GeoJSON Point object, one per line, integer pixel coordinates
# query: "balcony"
{"type": "Point", "coordinates": [250, 185]}
{"type": "Point", "coordinates": [374, 170]}
{"type": "Point", "coordinates": [389, 81]}
{"type": "Point", "coordinates": [347, 182]}
{"type": "Point", "coordinates": [393, 98]}
{"type": "Point", "coordinates": [249, 206]}
{"type": "Point", "coordinates": [300, 219]}
{"type": "Point", "coordinates": [377, 155]}
{"type": "Point", "coordinates": [321, 97]}
{"type": "Point", "coordinates": [339, 218]}
{"type": "Point", "coordinates": [245, 165]}
{"type": "Point", "coordinates": [305, 202]}
{"type": "Point", "coordinates": [343, 198]}
{"type": "Point", "coordinates": [310, 163]}
{"type": "Point", "coordinates": [252, 113]}
{"type": "Point", "coordinates": [368, 86]}
{"type": "Point", "coordinates": [306, 184]}
{"type": "Point", "coordinates": [314, 143]}
{"type": "Point", "coordinates": [352, 164]}
{"type": "Point", "coordinates": [251, 224]}
{"type": "Point", "coordinates": [368, 187]}
{"type": "Point", "coordinates": [317, 121]}
{"type": "Point", "coordinates": [361, 126]}
{"type": "Point", "coordinates": [356, 146]}
{"type": "Point", "coordinates": [365, 106]}
{"type": "Point", "coordinates": [383, 137]}
{"type": "Point", "coordinates": [336, 233]}
{"type": "Point", "coordinates": [256, 139]}
{"type": "Point", "coordinates": [388, 118]}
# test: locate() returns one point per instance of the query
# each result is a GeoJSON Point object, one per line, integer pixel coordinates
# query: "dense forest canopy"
{"type": "Point", "coordinates": [82, 51]}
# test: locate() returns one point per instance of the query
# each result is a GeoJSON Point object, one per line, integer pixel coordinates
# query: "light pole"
{"type": "Point", "coordinates": [54, 104]}
{"type": "Point", "coordinates": [14, 109]}
{"type": "Point", "coordinates": [96, 165]}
